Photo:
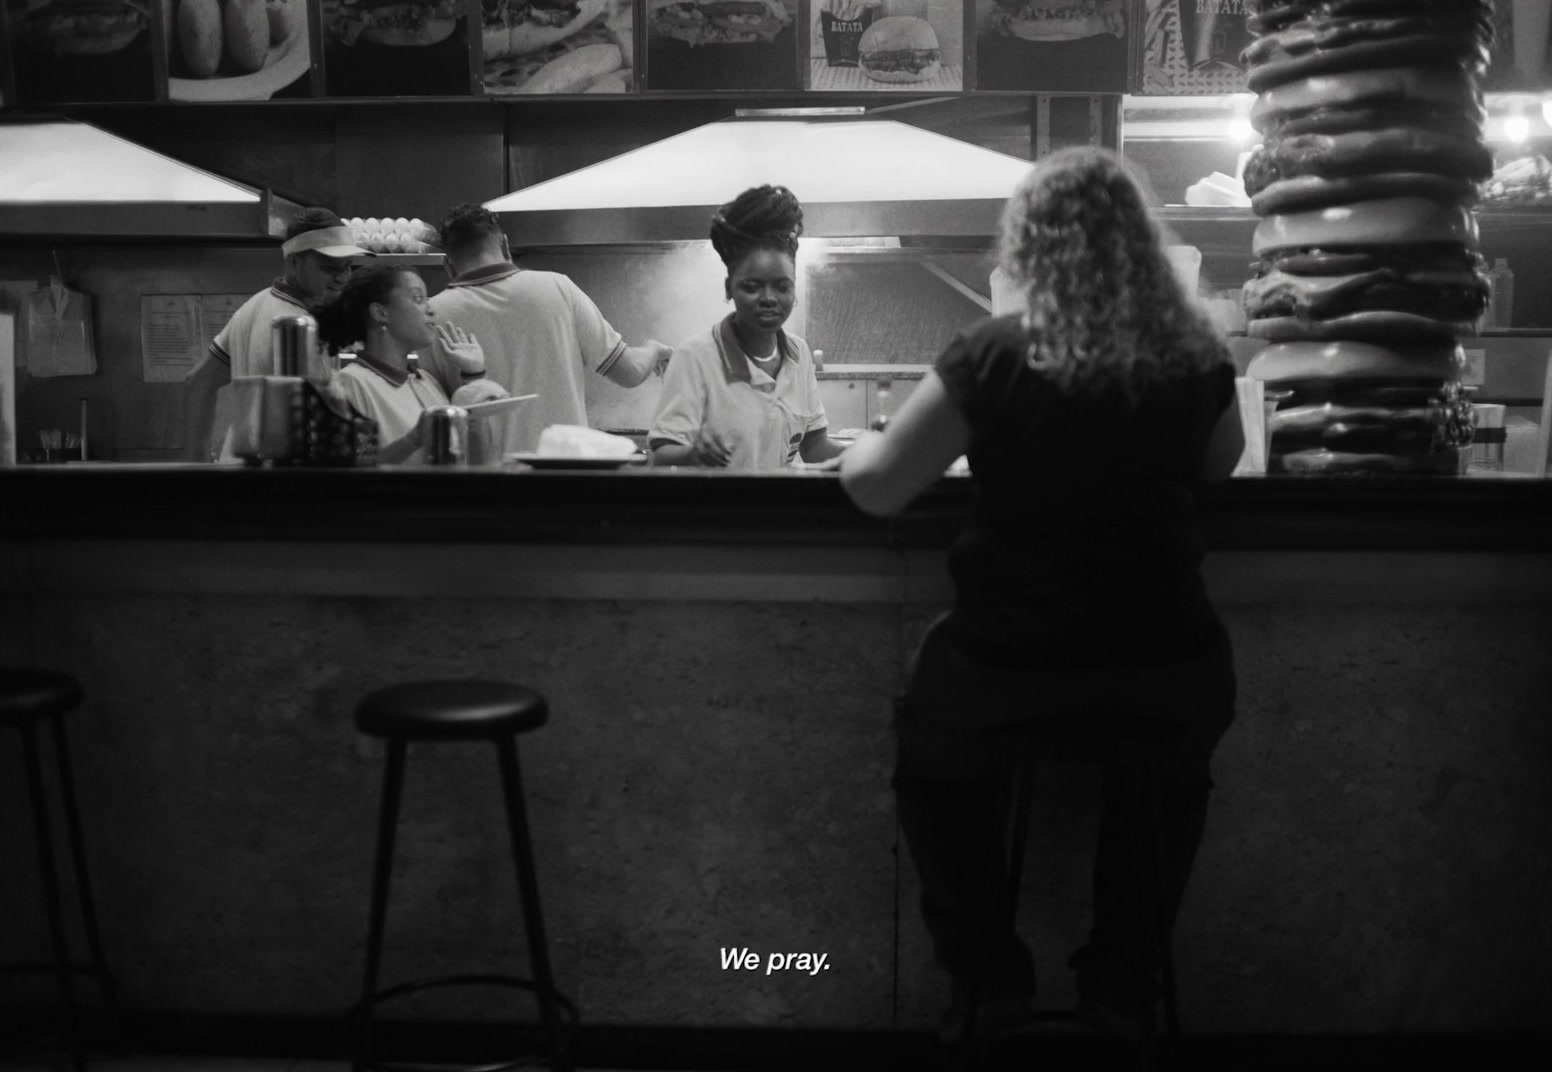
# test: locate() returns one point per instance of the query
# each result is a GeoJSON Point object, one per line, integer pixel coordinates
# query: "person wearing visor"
{"type": "Point", "coordinates": [744, 395]}
{"type": "Point", "coordinates": [316, 247]}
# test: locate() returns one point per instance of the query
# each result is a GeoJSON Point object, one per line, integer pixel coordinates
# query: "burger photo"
{"type": "Point", "coordinates": [900, 48]}
{"type": "Point", "coordinates": [720, 22]}
{"type": "Point", "coordinates": [557, 46]}
{"type": "Point", "coordinates": [83, 27]}
{"type": "Point", "coordinates": [1057, 20]}
{"type": "Point", "coordinates": [395, 22]}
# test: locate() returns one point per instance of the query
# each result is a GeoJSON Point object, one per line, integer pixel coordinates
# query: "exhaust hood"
{"type": "Point", "coordinates": [65, 179]}
{"type": "Point", "coordinates": [856, 177]}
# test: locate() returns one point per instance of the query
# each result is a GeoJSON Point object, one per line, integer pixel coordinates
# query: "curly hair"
{"type": "Point", "coordinates": [312, 219]}
{"type": "Point", "coordinates": [762, 217]}
{"type": "Point", "coordinates": [342, 320]}
{"type": "Point", "coordinates": [1103, 305]}
{"type": "Point", "coordinates": [467, 225]}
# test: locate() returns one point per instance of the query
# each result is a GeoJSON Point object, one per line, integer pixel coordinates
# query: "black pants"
{"type": "Point", "coordinates": [946, 787]}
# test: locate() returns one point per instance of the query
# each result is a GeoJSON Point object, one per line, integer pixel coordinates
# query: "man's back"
{"type": "Point", "coordinates": [540, 334]}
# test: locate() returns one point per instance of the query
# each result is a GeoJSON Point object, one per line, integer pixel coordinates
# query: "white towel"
{"type": "Point", "coordinates": [1251, 394]}
{"type": "Point", "coordinates": [59, 332]}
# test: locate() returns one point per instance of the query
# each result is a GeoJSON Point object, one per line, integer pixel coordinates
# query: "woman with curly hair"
{"type": "Point", "coordinates": [743, 395]}
{"type": "Point", "coordinates": [384, 309]}
{"type": "Point", "coordinates": [1087, 417]}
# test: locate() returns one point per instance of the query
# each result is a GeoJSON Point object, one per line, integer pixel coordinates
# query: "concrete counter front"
{"type": "Point", "coordinates": [720, 653]}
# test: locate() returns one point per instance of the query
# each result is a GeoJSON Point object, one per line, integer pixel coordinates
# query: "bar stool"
{"type": "Point", "coordinates": [1098, 738]}
{"type": "Point", "coordinates": [28, 697]}
{"type": "Point", "coordinates": [459, 711]}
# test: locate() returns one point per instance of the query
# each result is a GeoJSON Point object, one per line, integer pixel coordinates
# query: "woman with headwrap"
{"type": "Point", "coordinates": [743, 395]}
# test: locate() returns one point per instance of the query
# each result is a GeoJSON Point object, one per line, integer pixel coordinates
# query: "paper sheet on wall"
{"type": "Point", "coordinates": [170, 337]}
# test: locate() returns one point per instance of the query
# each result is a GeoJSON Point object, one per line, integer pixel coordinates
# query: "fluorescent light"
{"type": "Point", "coordinates": [1517, 128]}
{"type": "Point", "coordinates": [1240, 129]}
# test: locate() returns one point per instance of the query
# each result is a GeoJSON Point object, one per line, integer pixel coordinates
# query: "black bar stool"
{"type": "Point", "coordinates": [1098, 738]}
{"type": "Point", "coordinates": [460, 711]}
{"type": "Point", "coordinates": [28, 697]}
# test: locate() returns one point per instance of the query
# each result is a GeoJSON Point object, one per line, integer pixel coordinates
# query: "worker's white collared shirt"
{"type": "Point", "coordinates": [393, 398]}
{"type": "Point", "coordinates": [244, 346]}
{"type": "Point", "coordinates": [541, 335]}
{"type": "Point", "coordinates": [711, 382]}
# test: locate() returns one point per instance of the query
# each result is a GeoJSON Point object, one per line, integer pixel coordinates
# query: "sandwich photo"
{"type": "Point", "coordinates": [1058, 20]}
{"type": "Point", "coordinates": [83, 27]}
{"type": "Point", "coordinates": [720, 22]}
{"type": "Point", "coordinates": [395, 22]}
{"type": "Point", "coordinates": [900, 48]}
{"type": "Point", "coordinates": [557, 46]}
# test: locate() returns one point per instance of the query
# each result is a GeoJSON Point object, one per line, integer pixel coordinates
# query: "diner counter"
{"type": "Point", "coordinates": [515, 504]}
{"type": "Point", "coordinates": [721, 654]}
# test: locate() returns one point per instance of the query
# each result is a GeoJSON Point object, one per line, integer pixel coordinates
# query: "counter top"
{"type": "Point", "coordinates": [692, 506]}
{"type": "Point", "coordinates": [839, 370]}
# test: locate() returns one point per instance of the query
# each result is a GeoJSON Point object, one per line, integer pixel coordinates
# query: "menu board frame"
{"type": "Point", "coordinates": [797, 84]}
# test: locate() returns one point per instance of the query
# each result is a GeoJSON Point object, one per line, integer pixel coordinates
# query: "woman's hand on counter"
{"type": "Point", "coordinates": [709, 450]}
{"type": "Point", "coordinates": [398, 452]}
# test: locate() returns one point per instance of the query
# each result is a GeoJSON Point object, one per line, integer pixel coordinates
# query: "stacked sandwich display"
{"type": "Point", "coordinates": [1368, 269]}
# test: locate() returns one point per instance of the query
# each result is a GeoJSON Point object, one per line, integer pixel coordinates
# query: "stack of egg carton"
{"type": "Point", "coordinates": [389, 235]}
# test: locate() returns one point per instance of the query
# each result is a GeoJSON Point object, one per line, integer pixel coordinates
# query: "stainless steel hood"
{"type": "Point", "coordinates": [856, 177]}
{"type": "Point", "coordinates": [64, 179]}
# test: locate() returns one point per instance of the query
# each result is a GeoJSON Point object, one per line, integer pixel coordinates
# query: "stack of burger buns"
{"type": "Point", "coordinates": [1367, 269]}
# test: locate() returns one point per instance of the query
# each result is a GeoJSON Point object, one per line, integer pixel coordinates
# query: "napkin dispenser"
{"type": "Point", "coordinates": [289, 420]}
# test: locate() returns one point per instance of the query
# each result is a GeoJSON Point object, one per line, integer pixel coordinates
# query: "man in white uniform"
{"type": "Point", "coordinates": [316, 246]}
{"type": "Point", "coordinates": [541, 335]}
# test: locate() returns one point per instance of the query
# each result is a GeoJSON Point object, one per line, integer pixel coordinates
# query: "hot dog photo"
{"type": "Point", "coordinates": [81, 50]}
{"type": "Point", "coordinates": [396, 48]}
{"type": "Point", "coordinates": [722, 44]}
{"type": "Point", "coordinates": [886, 45]}
{"type": "Point", "coordinates": [1052, 45]}
{"type": "Point", "coordinates": [556, 47]}
{"type": "Point", "coordinates": [237, 49]}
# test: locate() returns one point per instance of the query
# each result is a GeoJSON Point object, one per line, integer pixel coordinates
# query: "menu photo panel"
{"type": "Point", "coordinates": [1052, 46]}
{"type": "Point", "coordinates": [237, 50]}
{"type": "Point", "coordinates": [866, 46]}
{"type": "Point", "coordinates": [396, 48]}
{"type": "Point", "coordinates": [558, 47]}
{"type": "Point", "coordinates": [1193, 47]}
{"type": "Point", "coordinates": [714, 45]}
{"type": "Point", "coordinates": [93, 51]}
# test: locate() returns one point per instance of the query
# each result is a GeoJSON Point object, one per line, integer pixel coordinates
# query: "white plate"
{"type": "Point", "coordinates": [482, 410]}
{"type": "Point", "coordinates": [285, 63]}
{"type": "Point", "coordinates": [555, 461]}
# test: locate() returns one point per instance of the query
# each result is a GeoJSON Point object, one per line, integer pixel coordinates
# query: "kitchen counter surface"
{"type": "Point", "coordinates": [515, 504]}
{"type": "Point", "coordinates": [859, 371]}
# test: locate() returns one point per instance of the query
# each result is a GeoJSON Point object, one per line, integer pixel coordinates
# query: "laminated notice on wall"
{"type": "Point", "coordinates": [171, 342]}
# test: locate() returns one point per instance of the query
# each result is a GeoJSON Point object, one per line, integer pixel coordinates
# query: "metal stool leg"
{"type": "Point", "coordinates": [382, 872]}
{"type": "Point", "coordinates": [533, 917]}
{"type": "Point", "coordinates": [51, 895]}
{"type": "Point", "coordinates": [84, 881]}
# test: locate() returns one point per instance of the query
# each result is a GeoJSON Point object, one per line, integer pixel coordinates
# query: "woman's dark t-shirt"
{"type": "Point", "coordinates": [1080, 548]}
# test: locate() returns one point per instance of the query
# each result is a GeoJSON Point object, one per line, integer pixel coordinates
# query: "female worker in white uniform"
{"type": "Point", "coordinates": [742, 394]}
{"type": "Point", "coordinates": [384, 308]}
